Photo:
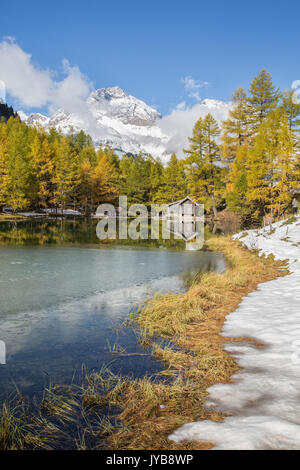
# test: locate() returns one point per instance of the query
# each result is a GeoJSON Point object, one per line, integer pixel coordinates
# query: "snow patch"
{"type": "Point", "coordinates": [264, 398]}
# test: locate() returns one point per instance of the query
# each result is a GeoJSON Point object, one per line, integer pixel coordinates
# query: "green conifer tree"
{"type": "Point", "coordinates": [236, 127]}
{"type": "Point", "coordinates": [263, 98]}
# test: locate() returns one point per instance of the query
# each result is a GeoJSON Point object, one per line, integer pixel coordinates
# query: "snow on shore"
{"type": "Point", "coordinates": [264, 398]}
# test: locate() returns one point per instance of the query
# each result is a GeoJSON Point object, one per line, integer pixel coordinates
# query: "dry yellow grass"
{"type": "Point", "coordinates": [150, 409]}
{"type": "Point", "coordinates": [192, 322]}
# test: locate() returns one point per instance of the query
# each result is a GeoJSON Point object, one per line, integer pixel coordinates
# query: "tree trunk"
{"type": "Point", "coordinates": [214, 205]}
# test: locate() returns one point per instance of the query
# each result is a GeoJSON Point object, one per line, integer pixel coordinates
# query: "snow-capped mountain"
{"type": "Point", "coordinates": [116, 104]}
{"type": "Point", "coordinates": [127, 124]}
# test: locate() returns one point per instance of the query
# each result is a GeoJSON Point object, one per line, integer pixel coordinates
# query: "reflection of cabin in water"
{"type": "Point", "coordinates": [185, 208]}
{"type": "Point", "coordinates": [189, 229]}
{"type": "Point", "coordinates": [186, 231]}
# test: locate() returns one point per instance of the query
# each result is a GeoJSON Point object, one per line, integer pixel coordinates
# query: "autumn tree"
{"type": "Point", "coordinates": [21, 182]}
{"type": "Point", "coordinates": [237, 185]}
{"type": "Point", "coordinates": [173, 182]}
{"type": "Point", "coordinates": [65, 174]}
{"type": "Point", "coordinates": [42, 158]}
{"type": "Point", "coordinates": [156, 179]}
{"type": "Point", "coordinates": [202, 164]}
{"type": "Point", "coordinates": [271, 166]}
{"type": "Point", "coordinates": [135, 179]}
{"type": "Point", "coordinates": [105, 180]}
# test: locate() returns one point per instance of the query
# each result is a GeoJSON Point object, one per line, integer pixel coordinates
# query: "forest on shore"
{"type": "Point", "coordinates": [250, 165]}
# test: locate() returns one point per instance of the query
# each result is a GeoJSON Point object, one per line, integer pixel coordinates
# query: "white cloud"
{"type": "Point", "coordinates": [295, 84]}
{"type": "Point", "coordinates": [70, 92]}
{"type": "Point", "coordinates": [181, 105]}
{"type": "Point", "coordinates": [28, 84]}
{"type": "Point", "coordinates": [180, 122]}
{"type": "Point", "coordinates": [193, 87]}
{"type": "Point", "coordinates": [32, 86]}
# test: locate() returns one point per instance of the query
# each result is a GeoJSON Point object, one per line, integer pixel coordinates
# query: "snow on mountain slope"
{"type": "Point", "coordinates": [127, 124]}
{"type": "Point", "coordinates": [116, 104]}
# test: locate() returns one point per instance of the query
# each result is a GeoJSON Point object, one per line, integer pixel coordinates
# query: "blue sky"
{"type": "Point", "coordinates": [147, 48]}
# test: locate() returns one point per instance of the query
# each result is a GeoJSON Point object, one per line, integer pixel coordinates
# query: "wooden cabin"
{"type": "Point", "coordinates": [185, 208]}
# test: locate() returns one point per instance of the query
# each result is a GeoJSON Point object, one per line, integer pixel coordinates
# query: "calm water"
{"type": "Point", "coordinates": [63, 295]}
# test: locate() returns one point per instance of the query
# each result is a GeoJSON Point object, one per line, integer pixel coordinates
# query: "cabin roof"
{"type": "Point", "coordinates": [182, 201]}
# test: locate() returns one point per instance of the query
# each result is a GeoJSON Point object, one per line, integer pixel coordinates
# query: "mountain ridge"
{"type": "Point", "coordinates": [118, 120]}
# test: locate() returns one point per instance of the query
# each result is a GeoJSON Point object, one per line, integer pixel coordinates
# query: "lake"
{"type": "Point", "coordinates": [64, 295]}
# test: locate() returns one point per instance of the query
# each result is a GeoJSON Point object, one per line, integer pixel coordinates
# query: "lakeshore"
{"type": "Point", "coordinates": [192, 321]}
{"type": "Point", "coordinates": [183, 330]}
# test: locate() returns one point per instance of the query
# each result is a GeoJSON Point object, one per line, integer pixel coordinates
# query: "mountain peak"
{"type": "Point", "coordinates": [108, 93]}
{"type": "Point", "coordinates": [115, 103]}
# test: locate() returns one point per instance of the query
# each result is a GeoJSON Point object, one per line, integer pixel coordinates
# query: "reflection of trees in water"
{"type": "Point", "coordinates": [41, 232]}
{"type": "Point", "coordinates": [82, 231]}
{"type": "Point", "coordinates": [69, 231]}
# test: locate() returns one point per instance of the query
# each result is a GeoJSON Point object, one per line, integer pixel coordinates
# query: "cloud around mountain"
{"type": "Point", "coordinates": [110, 115]}
{"type": "Point", "coordinates": [178, 125]}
